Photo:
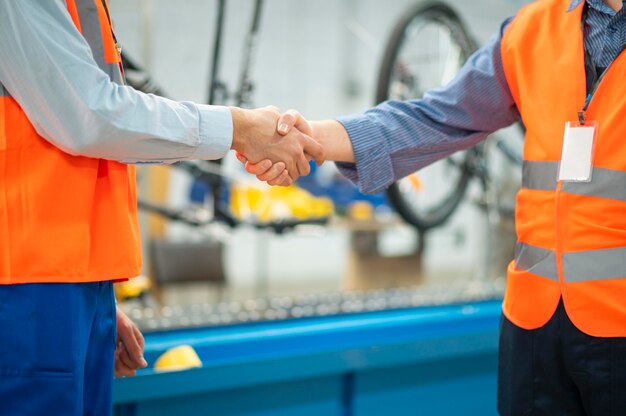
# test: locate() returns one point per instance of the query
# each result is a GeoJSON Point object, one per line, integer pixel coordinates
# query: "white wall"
{"type": "Point", "coordinates": [320, 56]}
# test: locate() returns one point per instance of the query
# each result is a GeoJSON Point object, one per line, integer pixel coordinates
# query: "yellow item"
{"type": "Point", "coordinates": [132, 288]}
{"type": "Point", "coordinates": [361, 210]}
{"type": "Point", "coordinates": [275, 203]}
{"type": "Point", "coordinates": [178, 358]}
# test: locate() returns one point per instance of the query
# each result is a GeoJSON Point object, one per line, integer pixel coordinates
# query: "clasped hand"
{"type": "Point", "coordinates": [276, 152]}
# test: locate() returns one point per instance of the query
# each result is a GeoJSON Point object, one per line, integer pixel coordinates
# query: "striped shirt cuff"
{"type": "Point", "coordinates": [373, 171]}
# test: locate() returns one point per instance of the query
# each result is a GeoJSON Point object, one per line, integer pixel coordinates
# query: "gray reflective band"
{"type": "Point", "coordinates": [4, 92]}
{"type": "Point", "coordinates": [90, 24]}
{"type": "Point", "coordinates": [605, 183]}
{"type": "Point", "coordinates": [580, 266]}
{"type": "Point", "coordinates": [589, 265]}
{"type": "Point", "coordinates": [539, 176]}
{"type": "Point", "coordinates": [536, 260]}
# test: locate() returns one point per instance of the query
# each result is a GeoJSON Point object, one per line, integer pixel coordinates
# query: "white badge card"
{"type": "Point", "coordinates": [578, 148]}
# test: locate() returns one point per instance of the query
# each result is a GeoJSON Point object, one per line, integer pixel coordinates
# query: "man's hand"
{"type": "Point", "coordinates": [256, 137]}
{"type": "Point", "coordinates": [277, 173]}
{"type": "Point", "coordinates": [128, 347]}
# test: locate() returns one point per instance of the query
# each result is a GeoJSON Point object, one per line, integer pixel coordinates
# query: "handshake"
{"type": "Point", "coordinates": [277, 147]}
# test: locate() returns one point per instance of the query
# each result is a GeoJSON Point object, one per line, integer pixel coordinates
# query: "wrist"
{"type": "Point", "coordinates": [241, 127]}
{"type": "Point", "coordinates": [334, 139]}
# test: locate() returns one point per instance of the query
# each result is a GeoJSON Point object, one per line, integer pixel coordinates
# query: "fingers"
{"type": "Point", "coordinates": [290, 119]}
{"type": "Point", "coordinates": [241, 158]}
{"type": "Point", "coordinates": [292, 166]}
{"type": "Point", "coordinates": [314, 150]}
{"type": "Point", "coordinates": [121, 369]}
{"type": "Point", "coordinates": [287, 121]}
{"type": "Point", "coordinates": [283, 180]}
{"type": "Point", "coordinates": [131, 338]}
{"type": "Point", "coordinates": [303, 165]}
{"type": "Point", "coordinates": [272, 173]}
{"type": "Point", "coordinates": [125, 358]}
{"type": "Point", "coordinates": [129, 351]}
{"type": "Point", "coordinates": [266, 171]}
{"type": "Point", "coordinates": [141, 341]}
{"type": "Point", "coordinates": [134, 348]}
{"type": "Point", "coordinates": [259, 168]}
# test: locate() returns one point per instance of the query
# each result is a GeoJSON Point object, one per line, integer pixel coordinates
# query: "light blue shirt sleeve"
{"type": "Point", "coordinates": [48, 68]}
{"type": "Point", "coordinates": [397, 138]}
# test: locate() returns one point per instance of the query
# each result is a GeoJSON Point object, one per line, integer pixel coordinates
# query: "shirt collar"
{"type": "Point", "coordinates": [596, 4]}
{"type": "Point", "coordinates": [574, 4]}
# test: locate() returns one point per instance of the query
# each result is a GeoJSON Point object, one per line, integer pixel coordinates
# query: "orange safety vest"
{"type": "Point", "coordinates": [65, 218]}
{"type": "Point", "coordinates": [571, 236]}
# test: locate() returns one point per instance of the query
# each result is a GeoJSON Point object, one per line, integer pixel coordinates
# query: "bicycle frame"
{"type": "Point", "coordinates": [218, 93]}
{"type": "Point", "coordinates": [207, 174]}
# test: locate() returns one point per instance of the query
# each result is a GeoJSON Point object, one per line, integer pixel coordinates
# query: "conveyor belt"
{"type": "Point", "coordinates": [150, 319]}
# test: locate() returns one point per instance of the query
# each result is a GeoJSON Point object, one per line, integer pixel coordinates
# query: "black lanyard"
{"type": "Point", "coordinates": [590, 68]}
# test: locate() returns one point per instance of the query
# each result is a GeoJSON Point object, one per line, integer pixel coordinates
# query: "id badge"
{"type": "Point", "coordinates": [578, 148]}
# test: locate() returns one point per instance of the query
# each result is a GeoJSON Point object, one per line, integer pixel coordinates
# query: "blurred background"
{"type": "Point", "coordinates": [322, 58]}
{"type": "Point", "coordinates": [320, 300]}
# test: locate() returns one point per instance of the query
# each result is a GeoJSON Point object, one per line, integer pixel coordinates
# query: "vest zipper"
{"type": "Point", "coordinates": [582, 115]}
{"type": "Point", "coordinates": [557, 193]}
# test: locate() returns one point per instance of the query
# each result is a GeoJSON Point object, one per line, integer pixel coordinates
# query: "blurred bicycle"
{"type": "Point", "coordinates": [427, 47]}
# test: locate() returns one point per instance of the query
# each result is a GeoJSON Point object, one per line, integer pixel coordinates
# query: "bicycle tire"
{"type": "Point", "coordinates": [420, 15]}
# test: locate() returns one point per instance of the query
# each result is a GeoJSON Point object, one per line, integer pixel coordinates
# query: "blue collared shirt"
{"type": "Point", "coordinates": [397, 138]}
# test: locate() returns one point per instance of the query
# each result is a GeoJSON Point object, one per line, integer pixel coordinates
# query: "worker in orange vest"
{"type": "Point", "coordinates": [70, 132]}
{"type": "Point", "coordinates": [559, 66]}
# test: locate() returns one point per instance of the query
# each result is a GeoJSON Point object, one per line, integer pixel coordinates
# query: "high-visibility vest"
{"type": "Point", "coordinates": [65, 218]}
{"type": "Point", "coordinates": [571, 236]}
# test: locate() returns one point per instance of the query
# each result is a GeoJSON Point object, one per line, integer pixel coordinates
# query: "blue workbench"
{"type": "Point", "coordinates": [419, 361]}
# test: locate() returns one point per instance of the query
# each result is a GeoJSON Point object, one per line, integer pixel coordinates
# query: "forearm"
{"type": "Point", "coordinates": [48, 68]}
{"type": "Point", "coordinates": [396, 138]}
{"type": "Point", "coordinates": [125, 125]}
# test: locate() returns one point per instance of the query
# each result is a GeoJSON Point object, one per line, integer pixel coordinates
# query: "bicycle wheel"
{"type": "Point", "coordinates": [426, 49]}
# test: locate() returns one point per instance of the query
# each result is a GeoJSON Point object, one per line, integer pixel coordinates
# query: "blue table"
{"type": "Point", "coordinates": [420, 361]}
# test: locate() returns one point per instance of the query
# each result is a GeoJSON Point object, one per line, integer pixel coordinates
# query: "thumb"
{"type": "Point", "coordinates": [286, 121]}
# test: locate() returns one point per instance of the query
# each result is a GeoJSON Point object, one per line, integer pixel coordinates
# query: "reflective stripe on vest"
{"type": "Point", "coordinates": [605, 183]}
{"type": "Point", "coordinates": [3, 91]}
{"type": "Point", "coordinates": [539, 176]}
{"type": "Point", "coordinates": [536, 260]}
{"type": "Point", "coordinates": [94, 26]}
{"type": "Point", "coordinates": [577, 266]}
{"type": "Point", "coordinates": [593, 265]}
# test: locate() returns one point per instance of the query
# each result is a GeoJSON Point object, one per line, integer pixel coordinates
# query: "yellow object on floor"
{"type": "Point", "coordinates": [178, 358]}
{"type": "Point", "coordinates": [132, 288]}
